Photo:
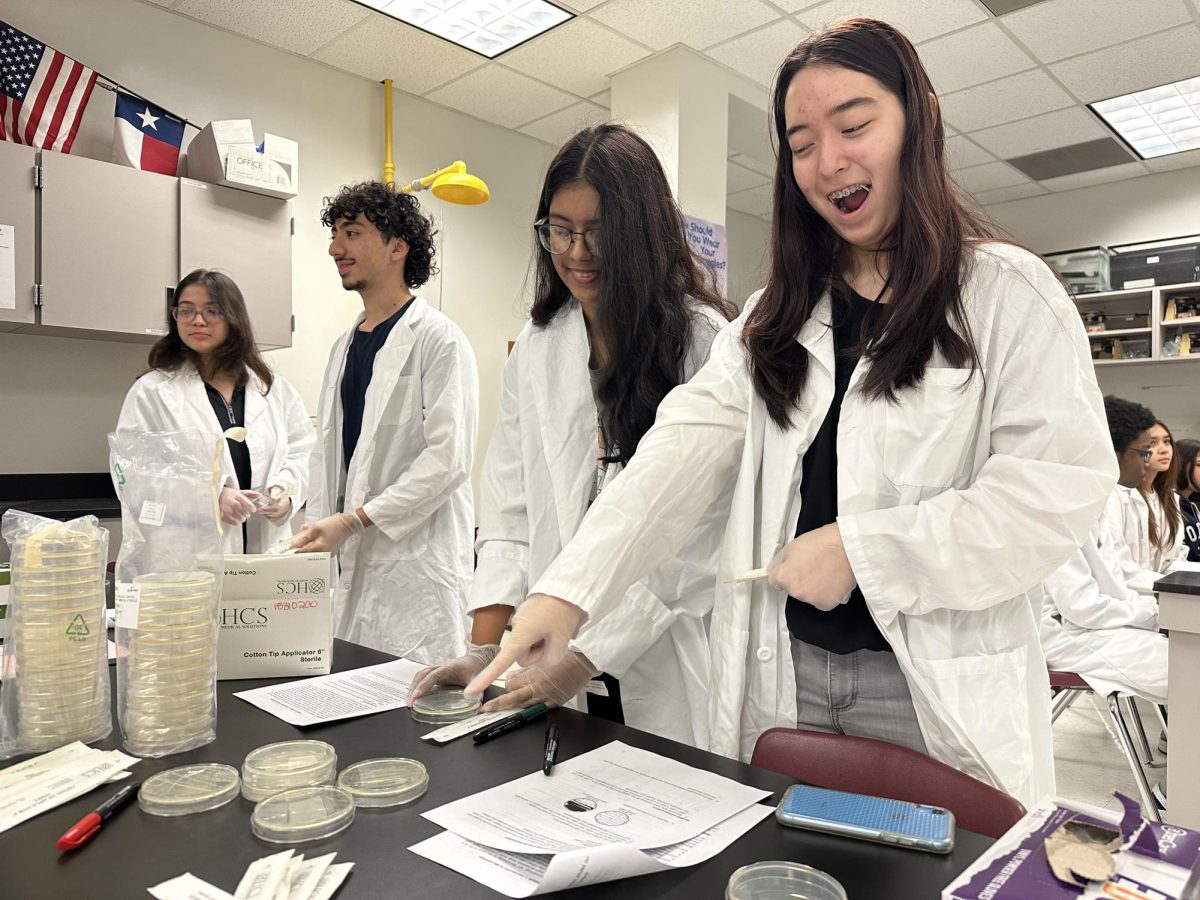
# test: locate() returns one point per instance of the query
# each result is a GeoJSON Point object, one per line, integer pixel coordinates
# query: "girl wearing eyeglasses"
{"type": "Point", "coordinates": [206, 374]}
{"type": "Point", "coordinates": [909, 420]}
{"type": "Point", "coordinates": [622, 314]}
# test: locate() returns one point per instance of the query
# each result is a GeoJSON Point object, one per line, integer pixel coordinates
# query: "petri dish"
{"type": "Point", "coordinates": [287, 764]}
{"type": "Point", "coordinates": [188, 789]}
{"type": "Point", "coordinates": [780, 880]}
{"type": "Point", "coordinates": [303, 814]}
{"type": "Point", "coordinates": [389, 781]}
{"type": "Point", "coordinates": [441, 707]}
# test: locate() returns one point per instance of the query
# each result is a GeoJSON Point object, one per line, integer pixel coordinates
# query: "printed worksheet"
{"type": "Point", "coordinates": [342, 695]}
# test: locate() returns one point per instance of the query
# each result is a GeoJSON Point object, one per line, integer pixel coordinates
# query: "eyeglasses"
{"type": "Point", "coordinates": [1144, 454]}
{"type": "Point", "coordinates": [557, 239]}
{"type": "Point", "coordinates": [188, 313]}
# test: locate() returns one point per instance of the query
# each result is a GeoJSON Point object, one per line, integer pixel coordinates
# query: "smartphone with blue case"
{"type": "Point", "coordinates": [897, 822]}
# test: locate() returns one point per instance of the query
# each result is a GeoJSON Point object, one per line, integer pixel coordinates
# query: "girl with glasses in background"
{"type": "Point", "coordinates": [623, 312]}
{"type": "Point", "coordinates": [206, 374]}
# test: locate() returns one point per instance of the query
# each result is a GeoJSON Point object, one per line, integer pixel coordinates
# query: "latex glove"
{"type": "Point", "coordinates": [329, 533]}
{"type": "Point", "coordinates": [280, 505]}
{"type": "Point", "coordinates": [456, 671]}
{"type": "Point", "coordinates": [553, 685]}
{"type": "Point", "coordinates": [236, 506]}
{"type": "Point", "coordinates": [541, 630]}
{"type": "Point", "coordinates": [814, 569]}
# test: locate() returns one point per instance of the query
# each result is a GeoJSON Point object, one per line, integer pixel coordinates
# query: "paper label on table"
{"type": "Point", "coordinates": [263, 876]}
{"type": "Point", "coordinates": [127, 603]}
{"type": "Point", "coordinates": [153, 512]}
{"type": "Point", "coordinates": [343, 695]}
{"type": "Point", "coordinates": [467, 726]}
{"type": "Point", "coordinates": [306, 874]}
{"type": "Point", "coordinates": [188, 887]}
{"type": "Point", "coordinates": [8, 267]}
{"type": "Point", "coordinates": [54, 778]}
{"type": "Point", "coordinates": [527, 874]}
{"type": "Point", "coordinates": [331, 881]}
{"type": "Point", "coordinates": [615, 794]}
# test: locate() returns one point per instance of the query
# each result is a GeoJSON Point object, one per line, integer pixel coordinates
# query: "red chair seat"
{"type": "Point", "coordinates": [1068, 681]}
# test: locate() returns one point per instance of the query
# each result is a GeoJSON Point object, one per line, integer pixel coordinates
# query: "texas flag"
{"type": "Point", "coordinates": [145, 136]}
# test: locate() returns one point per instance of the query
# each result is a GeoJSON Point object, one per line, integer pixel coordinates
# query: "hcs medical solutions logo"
{"type": "Point", "coordinates": [304, 594]}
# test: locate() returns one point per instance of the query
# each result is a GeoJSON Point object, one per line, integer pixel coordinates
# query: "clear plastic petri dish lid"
{"type": "Point", "coordinates": [389, 781]}
{"type": "Point", "coordinates": [445, 705]}
{"type": "Point", "coordinates": [188, 789]}
{"type": "Point", "coordinates": [781, 880]}
{"type": "Point", "coordinates": [303, 814]}
{"type": "Point", "coordinates": [287, 764]}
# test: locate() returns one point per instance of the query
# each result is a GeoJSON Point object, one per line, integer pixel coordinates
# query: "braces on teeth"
{"type": "Point", "coordinates": [838, 195]}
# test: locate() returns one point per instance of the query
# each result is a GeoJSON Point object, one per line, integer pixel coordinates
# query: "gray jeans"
{"type": "Point", "coordinates": [862, 694]}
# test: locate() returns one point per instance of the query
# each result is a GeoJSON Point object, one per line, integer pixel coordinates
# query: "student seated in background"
{"type": "Point", "coordinates": [206, 374]}
{"type": "Point", "coordinates": [1187, 487]}
{"type": "Point", "coordinates": [1093, 623]}
{"type": "Point", "coordinates": [1127, 515]}
{"type": "Point", "coordinates": [1164, 530]}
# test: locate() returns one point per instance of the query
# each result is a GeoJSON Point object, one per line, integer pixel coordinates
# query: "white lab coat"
{"type": "Point", "coordinates": [1126, 519]}
{"type": "Point", "coordinates": [954, 504]}
{"type": "Point", "coordinates": [1094, 624]}
{"type": "Point", "coordinates": [534, 491]}
{"type": "Point", "coordinates": [403, 582]}
{"type": "Point", "coordinates": [279, 435]}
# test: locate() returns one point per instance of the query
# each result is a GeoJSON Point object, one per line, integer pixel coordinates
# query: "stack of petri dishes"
{"type": "Point", "coordinates": [169, 693]}
{"type": "Point", "coordinates": [274, 768]}
{"type": "Point", "coordinates": [59, 639]}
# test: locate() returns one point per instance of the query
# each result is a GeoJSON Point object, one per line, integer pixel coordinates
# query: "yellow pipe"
{"type": "Point", "coordinates": [456, 167]}
{"type": "Point", "coordinates": [389, 168]}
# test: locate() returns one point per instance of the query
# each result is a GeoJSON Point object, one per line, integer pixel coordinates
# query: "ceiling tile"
{"type": "Point", "coordinates": [919, 19]}
{"type": "Point", "coordinates": [757, 55]}
{"type": "Point", "coordinates": [697, 23]}
{"type": "Point", "coordinates": [988, 177]}
{"type": "Point", "coordinates": [793, 6]}
{"type": "Point", "coordinates": [500, 95]}
{"type": "Point", "coordinates": [961, 153]}
{"type": "Point", "coordinates": [576, 57]}
{"type": "Point", "coordinates": [1174, 161]}
{"type": "Point", "coordinates": [970, 57]}
{"type": "Point", "coordinates": [379, 48]}
{"type": "Point", "coordinates": [555, 128]}
{"type": "Point", "coordinates": [754, 164]}
{"type": "Point", "coordinates": [1060, 28]}
{"type": "Point", "coordinates": [579, 5]}
{"type": "Point", "coordinates": [739, 178]}
{"type": "Point", "coordinates": [1139, 64]}
{"type": "Point", "coordinates": [1006, 100]}
{"type": "Point", "coordinates": [604, 98]}
{"type": "Point", "coordinates": [755, 202]}
{"type": "Point", "coordinates": [1061, 128]}
{"type": "Point", "coordinates": [1096, 176]}
{"type": "Point", "coordinates": [1015, 192]}
{"type": "Point", "coordinates": [299, 27]}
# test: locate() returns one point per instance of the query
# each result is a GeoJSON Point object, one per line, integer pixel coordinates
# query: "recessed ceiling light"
{"type": "Point", "coordinates": [1157, 121]}
{"type": "Point", "coordinates": [486, 27]}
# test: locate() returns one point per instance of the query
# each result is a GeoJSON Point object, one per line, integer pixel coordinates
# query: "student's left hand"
{"type": "Point", "coordinates": [814, 569]}
{"type": "Point", "coordinates": [553, 685]}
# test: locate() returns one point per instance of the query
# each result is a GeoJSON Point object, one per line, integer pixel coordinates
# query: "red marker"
{"type": "Point", "coordinates": [85, 829]}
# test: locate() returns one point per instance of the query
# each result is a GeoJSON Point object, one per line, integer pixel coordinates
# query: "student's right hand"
{"type": "Point", "coordinates": [541, 630]}
{"type": "Point", "coordinates": [236, 506]}
{"type": "Point", "coordinates": [458, 671]}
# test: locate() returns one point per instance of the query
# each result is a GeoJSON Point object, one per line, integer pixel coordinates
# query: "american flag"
{"type": "Point", "coordinates": [42, 92]}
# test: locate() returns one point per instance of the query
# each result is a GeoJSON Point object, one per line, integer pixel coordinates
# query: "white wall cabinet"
{"type": "Point", "coordinates": [1135, 321]}
{"type": "Point", "coordinates": [103, 246]}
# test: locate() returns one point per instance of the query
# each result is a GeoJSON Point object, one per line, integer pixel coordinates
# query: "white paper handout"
{"type": "Point", "coordinates": [341, 695]}
{"type": "Point", "coordinates": [49, 780]}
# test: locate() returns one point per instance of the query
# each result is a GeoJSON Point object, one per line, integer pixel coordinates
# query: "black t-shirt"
{"type": "Point", "coordinates": [233, 415]}
{"type": "Point", "coordinates": [356, 378]}
{"type": "Point", "coordinates": [848, 627]}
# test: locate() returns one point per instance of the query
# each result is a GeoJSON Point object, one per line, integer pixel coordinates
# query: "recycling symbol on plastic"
{"type": "Point", "coordinates": [78, 628]}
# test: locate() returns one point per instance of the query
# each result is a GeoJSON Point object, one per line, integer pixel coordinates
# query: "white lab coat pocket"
{"type": "Point", "coordinates": [375, 546]}
{"type": "Point", "coordinates": [927, 432]}
{"type": "Point", "coordinates": [989, 698]}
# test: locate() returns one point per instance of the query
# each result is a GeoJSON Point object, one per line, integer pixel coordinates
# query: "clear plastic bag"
{"type": "Point", "coordinates": [169, 571]}
{"type": "Point", "coordinates": [55, 657]}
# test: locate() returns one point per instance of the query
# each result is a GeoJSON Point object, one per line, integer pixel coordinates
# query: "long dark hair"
{"type": "Point", "coordinates": [1163, 487]}
{"type": "Point", "coordinates": [925, 247]}
{"type": "Point", "coordinates": [239, 352]}
{"type": "Point", "coordinates": [649, 277]}
{"type": "Point", "coordinates": [1186, 452]}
